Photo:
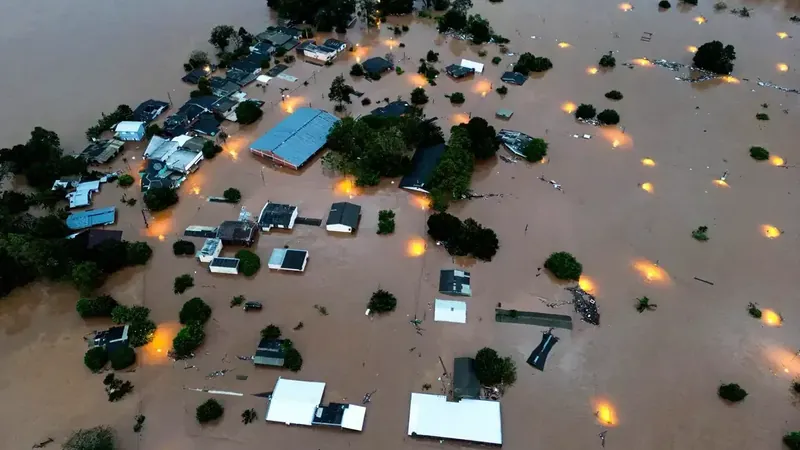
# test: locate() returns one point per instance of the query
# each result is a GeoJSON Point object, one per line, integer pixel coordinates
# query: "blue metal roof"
{"type": "Point", "coordinates": [92, 217]}
{"type": "Point", "coordinates": [298, 137]}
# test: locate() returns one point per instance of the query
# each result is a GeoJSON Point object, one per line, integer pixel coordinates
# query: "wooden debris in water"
{"type": "Point", "coordinates": [585, 304]}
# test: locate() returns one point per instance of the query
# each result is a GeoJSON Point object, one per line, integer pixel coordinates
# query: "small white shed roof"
{"type": "Point", "coordinates": [466, 420]}
{"type": "Point", "coordinates": [353, 418]}
{"type": "Point", "coordinates": [450, 311]}
{"type": "Point", "coordinates": [128, 127]}
{"type": "Point", "coordinates": [472, 65]}
{"type": "Point", "coordinates": [294, 402]}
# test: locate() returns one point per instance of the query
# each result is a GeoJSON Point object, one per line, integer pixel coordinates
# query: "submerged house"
{"type": "Point", "coordinates": [422, 166]}
{"type": "Point", "coordinates": [157, 174]}
{"type": "Point", "coordinates": [514, 141]}
{"type": "Point", "coordinates": [237, 232]}
{"type": "Point", "coordinates": [465, 381]}
{"type": "Point", "coordinates": [211, 249]}
{"type": "Point", "coordinates": [397, 108]}
{"type": "Point", "coordinates": [455, 282]}
{"type": "Point", "coordinates": [295, 139]}
{"type": "Point", "coordinates": [129, 131]}
{"type": "Point", "coordinates": [180, 154]}
{"type": "Point", "coordinates": [270, 352]}
{"type": "Point", "coordinates": [320, 52]}
{"type": "Point", "coordinates": [515, 78]}
{"type": "Point", "coordinates": [296, 402]}
{"type": "Point", "coordinates": [229, 266]}
{"type": "Point", "coordinates": [277, 215]}
{"type": "Point", "coordinates": [194, 76]}
{"type": "Point", "coordinates": [91, 238]}
{"type": "Point", "coordinates": [112, 338]}
{"type": "Point", "coordinates": [335, 44]}
{"type": "Point", "coordinates": [377, 65]}
{"type": "Point", "coordinates": [288, 259]}
{"type": "Point", "coordinates": [92, 217]}
{"type": "Point", "coordinates": [343, 217]}
{"type": "Point", "coordinates": [149, 110]}
{"type": "Point", "coordinates": [102, 151]}
{"type": "Point", "coordinates": [465, 420]}
{"type": "Point", "coordinates": [222, 87]}
{"type": "Point", "coordinates": [456, 71]}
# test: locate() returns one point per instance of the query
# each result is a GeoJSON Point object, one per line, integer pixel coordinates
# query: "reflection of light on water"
{"type": "Point", "coordinates": [568, 107]}
{"type": "Point", "coordinates": [776, 160]}
{"type": "Point", "coordinates": [196, 190]}
{"type": "Point", "coordinates": [289, 104]}
{"type": "Point", "coordinates": [415, 247]}
{"type": "Point", "coordinates": [616, 137]}
{"type": "Point", "coordinates": [770, 231]}
{"type": "Point", "coordinates": [782, 34]}
{"type": "Point", "coordinates": [625, 6]}
{"type": "Point", "coordinates": [648, 162]}
{"type": "Point", "coordinates": [564, 44]}
{"type": "Point", "coordinates": [782, 67]}
{"type": "Point", "coordinates": [161, 237]}
{"type": "Point", "coordinates": [233, 145]}
{"type": "Point", "coordinates": [771, 318]}
{"type": "Point", "coordinates": [417, 79]}
{"type": "Point", "coordinates": [721, 183]}
{"type": "Point", "coordinates": [460, 118]}
{"type": "Point", "coordinates": [651, 272]}
{"type": "Point", "coordinates": [691, 49]}
{"type": "Point", "coordinates": [591, 70]}
{"type": "Point", "coordinates": [700, 20]}
{"type": "Point", "coordinates": [420, 201]}
{"type": "Point", "coordinates": [587, 284]}
{"type": "Point", "coordinates": [482, 87]}
{"type": "Point", "coordinates": [731, 79]}
{"type": "Point", "coordinates": [647, 187]}
{"type": "Point", "coordinates": [605, 412]}
{"type": "Point", "coordinates": [156, 351]}
{"type": "Point", "coordinates": [782, 358]}
{"type": "Point", "coordinates": [642, 62]}
{"type": "Point", "coordinates": [391, 43]}
{"type": "Point", "coordinates": [346, 187]}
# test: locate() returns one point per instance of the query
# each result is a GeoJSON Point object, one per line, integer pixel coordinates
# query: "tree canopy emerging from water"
{"type": "Point", "coordinates": [463, 238]}
{"type": "Point", "coordinates": [564, 266]}
{"type": "Point", "coordinates": [97, 438]}
{"type": "Point", "coordinates": [493, 370]}
{"type": "Point", "coordinates": [528, 63]}
{"type": "Point", "coordinates": [483, 138]}
{"type": "Point", "coordinates": [715, 57]}
{"type": "Point", "coordinates": [327, 15]}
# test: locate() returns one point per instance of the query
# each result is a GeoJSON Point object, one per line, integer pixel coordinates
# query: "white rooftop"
{"type": "Point", "coordinates": [353, 418]}
{"type": "Point", "coordinates": [294, 402]}
{"type": "Point", "coordinates": [128, 127]}
{"type": "Point", "coordinates": [450, 311]}
{"type": "Point", "coordinates": [467, 420]}
{"type": "Point", "coordinates": [472, 65]}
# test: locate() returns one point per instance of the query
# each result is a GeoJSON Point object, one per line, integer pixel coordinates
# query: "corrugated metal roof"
{"type": "Point", "coordinates": [92, 217]}
{"type": "Point", "coordinates": [298, 137]}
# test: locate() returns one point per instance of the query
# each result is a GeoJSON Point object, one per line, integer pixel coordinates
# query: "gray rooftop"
{"type": "Point", "coordinates": [298, 137]}
{"type": "Point", "coordinates": [276, 214]}
{"type": "Point", "coordinates": [344, 213]}
{"type": "Point", "coordinates": [455, 282]}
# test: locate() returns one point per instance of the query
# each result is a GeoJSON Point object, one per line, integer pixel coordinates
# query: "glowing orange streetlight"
{"type": "Point", "coordinates": [460, 118]}
{"type": "Point", "coordinates": [782, 67]}
{"type": "Point", "coordinates": [420, 201]}
{"type": "Point", "coordinates": [346, 187]}
{"type": "Point", "coordinates": [651, 272]}
{"type": "Point", "coordinates": [587, 284]}
{"type": "Point", "coordinates": [700, 20]}
{"type": "Point", "coordinates": [731, 79]}
{"type": "Point", "coordinates": [161, 237]}
{"type": "Point", "coordinates": [721, 183]}
{"type": "Point", "coordinates": [648, 162]}
{"type": "Point", "coordinates": [591, 70]}
{"type": "Point", "coordinates": [647, 187]}
{"type": "Point", "coordinates": [569, 107]}
{"type": "Point", "coordinates": [605, 413]}
{"type": "Point", "coordinates": [771, 318]}
{"type": "Point", "coordinates": [691, 49]}
{"type": "Point", "coordinates": [776, 160]}
{"type": "Point", "coordinates": [625, 6]}
{"type": "Point", "coordinates": [564, 45]}
{"type": "Point", "coordinates": [415, 247]}
{"type": "Point", "coordinates": [642, 62]}
{"type": "Point", "coordinates": [770, 232]}
{"type": "Point", "coordinates": [782, 34]}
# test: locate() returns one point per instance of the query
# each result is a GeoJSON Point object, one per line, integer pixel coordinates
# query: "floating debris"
{"type": "Point", "coordinates": [552, 182]}
{"type": "Point", "coordinates": [368, 397]}
{"type": "Point", "coordinates": [775, 86]}
{"type": "Point", "coordinates": [506, 159]}
{"type": "Point", "coordinates": [585, 304]}
{"type": "Point", "coordinates": [218, 373]}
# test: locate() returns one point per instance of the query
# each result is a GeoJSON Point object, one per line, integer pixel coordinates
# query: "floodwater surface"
{"type": "Point", "coordinates": [631, 197]}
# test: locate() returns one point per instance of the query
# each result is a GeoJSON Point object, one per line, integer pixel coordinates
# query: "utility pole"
{"type": "Point", "coordinates": [144, 217]}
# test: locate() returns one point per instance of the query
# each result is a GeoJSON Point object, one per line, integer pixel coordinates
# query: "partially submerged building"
{"type": "Point", "coordinates": [194, 76]}
{"type": "Point", "coordinates": [466, 420]}
{"type": "Point", "coordinates": [129, 130]}
{"type": "Point", "coordinates": [292, 260]}
{"type": "Point", "coordinates": [423, 164]}
{"type": "Point", "coordinates": [296, 402]}
{"type": "Point", "coordinates": [449, 311]}
{"type": "Point", "coordinates": [457, 71]}
{"type": "Point", "coordinates": [182, 153]}
{"type": "Point", "coordinates": [90, 239]}
{"type": "Point", "coordinates": [222, 264]}
{"type": "Point", "coordinates": [157, 174]}
{"type": "Point", "coordinates": [455, 282]}
{"type": "Point", "coordinates": [343, 217]}
{"type": "Point", "coordinates": [149, 110]}
{"type": "Point", "coordinates": [474, 65]}
{"type": "Point", "coordinates": [112, 338]}
{"type": "Point", "coordinates": [277, 215]}
{"type": "Point", "coordinates": [223, 87]}
{"type": "Point", "coordinates": [465, 380]}
{"type": "Point", "coordinates": [102, 151]}
{"type": "Point", "coordinates": [211, 249]}
{"type": "Point", "coordinates": [397, 108]}
{"type": "Point", "coordinates": [320, 52]}
{"type": "Point", "coordinates": [335, 44]}
{"type": "Point", "coordinates": [82, 195]}
{"type": "Point", "coordinates": [295, 139]}
{"type": "Point", "coordinates": [270, 352]}
{"type": "Point", "coordinates": [514, 78]}
{"type": "Point", "coordinates": [237, 232]}
{"type": "Point", "coordinates": [514, 141]}
{"type": "Point", "coordinates": [92, 217]}
{"type": "Point", "coordinates": [377, 65]}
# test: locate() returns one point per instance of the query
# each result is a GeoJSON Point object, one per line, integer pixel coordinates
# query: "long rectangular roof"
{"type": "Point", "coordinates": [423, 164]}
{"type": "Point", "coordinates": [298, 137]}
{"type": "Point", "coordinates": [92, 217]}
{"type": "Point", "coordinates": [294, 402]}
{"type": "Point", "coordinates": [467, 420]}
{"type": "Point", "coordinates": [344, 213]}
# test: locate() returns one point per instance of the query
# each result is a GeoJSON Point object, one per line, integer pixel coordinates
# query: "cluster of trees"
{"type": "Point", "coordinates": [182, 283]}
{"type": "Point", "coordinates": [715, 57]}
{"type": "Point", "coordinates": [759, 153]}
{"type": "Point", "coordinates": [140, 327]}
{"type": "Point", "coordinates": [249, 262]}
{"type": "Point", "coordinates": [101, 306]}
{"type": "Point", "coordinates": [374, 147]}
{"type": "Point", "coordinates": [232, 195]}
{"type": "Point", "coordinates": [478, 28]}
{"type": "Point", "coordinates": [463, 238]}
{"type": "Point", "coordinates": [614, 95]}
{"type": "Point", "coordinates": [528, 63]}
{"type": "Point", "coordinates": [248, 112]}
{"type": "Point", "coordinates": [96, 358]}
{"type": "Point", "coordinates": [493, 370]}
{"type": "Point", "coordinates": [106, 121]}
{"type": "Point", "coordinates": [42, 161]}
{"type": "Point", "coordinates": [564, 266]}
{"type": "Point", "coordinates": [209, 410]}
{"type": "Point", "coordinates": [181, 247]}
{"type": "Point", "coordinates": [328, 15]}
{"type": "Point", "coordinates": [292, 359]}
{"type": "Point", "coordinates": [385, 221]}
{"type": "Point", "coordinates": [731, 392]}
{"type": "Point", "coordinates": [97, 438]}
{"type": "Point", "coordinates": [608, 61]}
{"type": "Point", "coordinates": [34, 248]}
{"type": "Point", "coordinates": [193, 316]}
{"type": "Point", "coordinates": [211, 150]}
{"type": "Point", "coordinates": [457, 98]}
{"type": "Point", "coordinates": [419, 97]}
{"type": "Point", "coordinates": [535, 150]}
{"type": "Point", "coordinates": [340, 91]}
{"type": "Point", "coordinates": [382, 302]}
{"type": "Point", "coordinates": [160, 198]}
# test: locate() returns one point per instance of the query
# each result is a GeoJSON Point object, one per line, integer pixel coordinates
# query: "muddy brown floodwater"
{"type": "Point", "coordinates": [654, 375]}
